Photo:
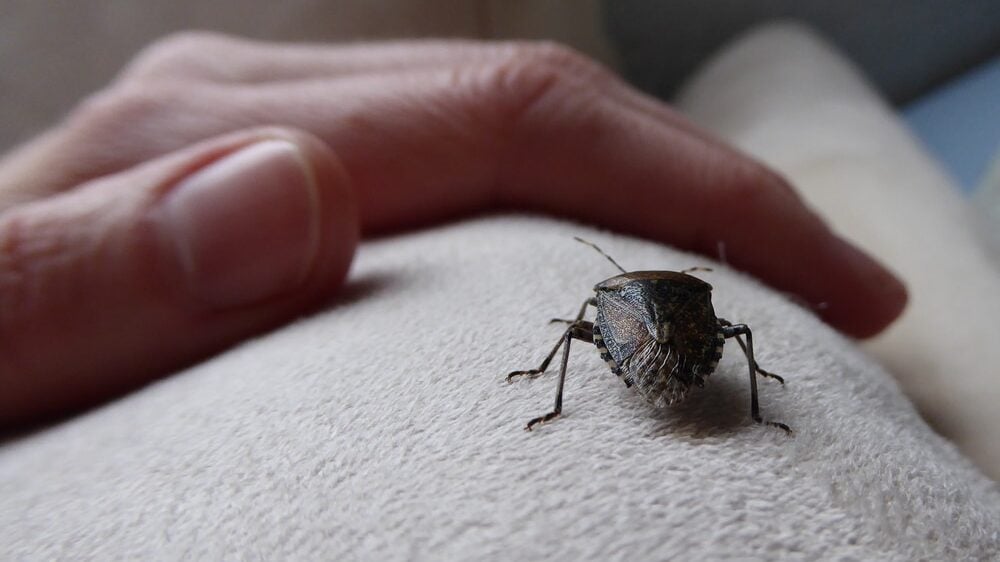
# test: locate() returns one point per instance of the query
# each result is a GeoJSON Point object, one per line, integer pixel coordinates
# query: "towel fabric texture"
{"type": "Point", "coordinates": [381, 428]}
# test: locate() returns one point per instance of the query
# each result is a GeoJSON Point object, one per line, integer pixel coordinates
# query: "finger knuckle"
{"type": "Point", "coordinates": [175, 56]}
{"type": "Point", "coordinates": [121, 111]}
{"type": "Point", "coordinates": [527, 72]}
{"type": "Point", "coordinates": [24, 248]}
{"type": "Point", "coordinates": [557, 57]}
{"type": "Point", "coordinates": [47, 262]}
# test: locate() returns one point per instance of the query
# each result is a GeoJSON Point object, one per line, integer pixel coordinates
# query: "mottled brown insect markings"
{"type": "Point", "coordinates": [656, 330]}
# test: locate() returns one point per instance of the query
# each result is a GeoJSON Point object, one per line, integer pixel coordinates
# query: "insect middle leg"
{"type": "Point", "coordinates": [578, 329]}
{"type": "Point", "coordinates": [730, 330]}
{"type": "Point", "coordinates": [532, 373]}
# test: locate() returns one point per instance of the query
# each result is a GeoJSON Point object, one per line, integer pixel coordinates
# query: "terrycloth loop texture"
{"type": "Point", "coordinates": [382, 429]}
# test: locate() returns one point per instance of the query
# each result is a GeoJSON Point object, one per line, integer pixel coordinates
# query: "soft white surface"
{"type": "Point", "coordinates": [787, 98]}
{"type": "Point", "coordinates": [382, 429]}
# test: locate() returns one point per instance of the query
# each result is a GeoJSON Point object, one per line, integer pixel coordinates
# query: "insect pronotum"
{"type": "Point", "coordinates": [656, 330]}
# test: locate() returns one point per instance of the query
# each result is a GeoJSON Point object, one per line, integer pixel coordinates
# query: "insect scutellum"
{"type": "Point", "coordinates": [656, 330]}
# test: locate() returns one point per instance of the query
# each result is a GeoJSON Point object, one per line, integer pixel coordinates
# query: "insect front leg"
{"type": "Point", "coordinates": [736, 330]}
{"type": "Point", "coordinates": [532, 373]}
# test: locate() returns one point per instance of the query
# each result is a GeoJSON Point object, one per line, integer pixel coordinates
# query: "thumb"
{"type": "Point", "coordinates": [126, 277]}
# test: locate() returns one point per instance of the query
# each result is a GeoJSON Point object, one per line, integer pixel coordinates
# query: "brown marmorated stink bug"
{"type": "Point", "coordinates": [658, 332]}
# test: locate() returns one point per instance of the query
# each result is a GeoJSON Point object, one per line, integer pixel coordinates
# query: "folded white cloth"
{"type": "Point", "coordinates": [786, 97]}
{"type": "Point", "coordinates": [382, 429]}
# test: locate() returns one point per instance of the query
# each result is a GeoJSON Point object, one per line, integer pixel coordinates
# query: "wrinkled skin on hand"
{"type": "Point", "coordinates": [93, 301]}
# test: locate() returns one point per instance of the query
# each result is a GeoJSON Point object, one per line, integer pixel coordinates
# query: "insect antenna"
{"type": "Point", "coordinates": [696, 268]}
{"type": "Point", "coordinates": [600, 251]}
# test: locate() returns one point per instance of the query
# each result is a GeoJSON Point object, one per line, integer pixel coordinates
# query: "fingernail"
{"type": "Point", "coordinates": [245, 228]}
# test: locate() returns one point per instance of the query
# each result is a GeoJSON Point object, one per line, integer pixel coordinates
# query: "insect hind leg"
{"type": "Point", "coordinates": [760, 371]}
{"type": "Point", "coordinates": [749, 353]}
{"type": "Point", "coordinates": [730, 330]}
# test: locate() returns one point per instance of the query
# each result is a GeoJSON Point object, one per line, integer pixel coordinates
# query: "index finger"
{"type": "Point", "coordinates": [567, 147]}
{"type": "Point", "coordinates": [536, 128]}
{"type": "Point", "coordinates": [616, 166]}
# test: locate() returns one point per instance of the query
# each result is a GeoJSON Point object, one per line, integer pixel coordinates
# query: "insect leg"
{"type": "Point", "coordinates": [761, 372]}
{"type": "Point", "coordinates": [743, 346]}
{"type": "Point", "coordinates": [532, 373]}
{"type": "Point", "coordinates": [736, 330]}
{"type": "Point", "coordinates": [583, 310]}
{"type": "Point", "coordinates": [580, 330]}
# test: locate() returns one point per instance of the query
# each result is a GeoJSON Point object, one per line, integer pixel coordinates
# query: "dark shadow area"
{"type": "Point", "coordinates": [719, 409]}
{"type": "Point", "coordinates": [437, 218]}
{"type": "Point", "coordinates": [359, 288]}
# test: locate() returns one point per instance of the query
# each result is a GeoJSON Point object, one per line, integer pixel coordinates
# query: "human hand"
{"type": "Point", "coordinates": [219, 187]}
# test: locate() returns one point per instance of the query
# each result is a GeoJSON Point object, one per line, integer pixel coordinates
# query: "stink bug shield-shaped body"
{"type": "Point", "coordinates": [656, 330]}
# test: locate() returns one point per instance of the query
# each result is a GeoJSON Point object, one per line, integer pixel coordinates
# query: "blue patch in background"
{"type": "Point", "coordinates": [960, 123]}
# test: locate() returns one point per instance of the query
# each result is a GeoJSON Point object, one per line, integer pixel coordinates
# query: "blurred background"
{"type": "Point", "coordinates": [937, 61]}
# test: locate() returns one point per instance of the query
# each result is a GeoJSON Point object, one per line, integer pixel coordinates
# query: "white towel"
{"type": "Point", "coordinates": [382, 429]}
